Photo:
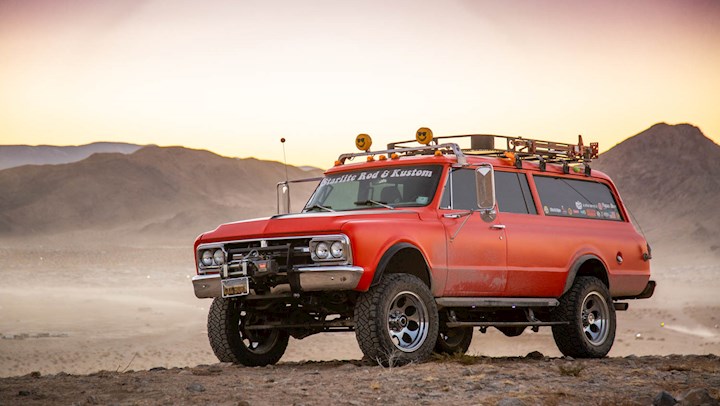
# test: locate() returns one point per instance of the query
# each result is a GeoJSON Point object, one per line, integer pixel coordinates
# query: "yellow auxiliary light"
{"type": "Point", "coordinates": [424, 135]}
{"type": "Point", "coordinates": [370, 158]}
{"type": "Point", "coordinates": [382, 157]}
{"type": "Point", "coordinates": [363, 142]}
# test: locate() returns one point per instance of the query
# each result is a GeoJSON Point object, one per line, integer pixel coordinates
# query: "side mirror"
{"type": "Point", "coordinates": [283, 198]}
{"type": "Point", "coordinates": [485, 187]}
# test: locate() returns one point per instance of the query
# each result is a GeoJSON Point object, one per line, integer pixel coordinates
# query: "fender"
{"type": "Point", "coordinates": [390, 253]}
{"type": "Point", "coordinates": [576, 267]}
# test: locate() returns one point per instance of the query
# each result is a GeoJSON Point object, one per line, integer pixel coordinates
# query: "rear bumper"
{"type": "Point", "coordinates": [311, 279]}
{"type": "Point", "coordinates": [645, 294]}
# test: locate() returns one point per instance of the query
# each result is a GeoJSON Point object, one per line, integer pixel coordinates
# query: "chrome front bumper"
{"type": "Point", "coordinates": [311, 279]}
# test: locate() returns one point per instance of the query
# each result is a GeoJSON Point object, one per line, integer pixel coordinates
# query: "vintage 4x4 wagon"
{"type": "Point", "coordinates": [414, 246]}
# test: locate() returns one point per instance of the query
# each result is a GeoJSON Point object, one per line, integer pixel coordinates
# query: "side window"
{"type": "Point", "coordinates": [445, 199]}
{"type": "Point", "coordinates": [576, 198]}
{"type": "Point", "coordinates": [513, 193]}
{"type": "Point", "coordinates": [511, 189]}
{"type": "Point", "coordinates": [462, 194]}
{"type": "Point", "coordinates": [463, 190]}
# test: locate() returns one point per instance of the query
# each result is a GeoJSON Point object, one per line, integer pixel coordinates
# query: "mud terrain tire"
{"type": "Point", "coordinates": [232, 343]}
{"type": "Point", "coordinates": [589, 309]}
{"type": "Point", "coordinates": [396, 321]}
{"type": "Point", "coordinates": [454, 340]}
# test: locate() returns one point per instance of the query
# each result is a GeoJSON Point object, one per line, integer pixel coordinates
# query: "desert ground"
{"type": "Point", "coordinates": [83, 309]}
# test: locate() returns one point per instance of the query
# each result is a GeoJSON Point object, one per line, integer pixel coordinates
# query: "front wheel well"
{"type": "Point", "coordinates": [403, 259]}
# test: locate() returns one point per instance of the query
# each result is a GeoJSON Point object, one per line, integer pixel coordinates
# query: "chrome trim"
{"type": "Point", "coordinates": [211, 247]}
{"type": "Point", "coordinates": [317, 237]}
{"type": "Point", "coordinates": [346, 259]}
{"type": "Point", "coordinates": [311, 279]}
{"type": "Point", "coordinates": [329, 277]}
{"type": "Point", "coordinates": [207, 286]}
{"type": "Point", "coordinates": [456, 150]}
{"type": "Point", "coordinates": [287, 237]}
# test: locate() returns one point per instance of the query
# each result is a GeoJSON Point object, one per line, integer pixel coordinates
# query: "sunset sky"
{"type": "Point", "coordinates": [235, 76]}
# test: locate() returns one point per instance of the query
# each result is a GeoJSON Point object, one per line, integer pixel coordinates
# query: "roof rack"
{"type": "Point", "coordinates": [425, 149]}
{"type": "Point", "coordinates": [519, 149]}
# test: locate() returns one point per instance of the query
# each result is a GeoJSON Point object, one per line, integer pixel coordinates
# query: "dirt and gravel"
{"type": "Point", "coordinates": [67, 313]}
{"type": "Point", "coordinates": [534, 379]}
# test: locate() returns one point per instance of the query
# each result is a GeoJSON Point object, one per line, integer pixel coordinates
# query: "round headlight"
{"type": "Point", "coordinates": [322, 251]}
{"type": "Point", "coordinates": [219, 257]}
{"type": "Point", "coordinates": [207, 258]}
{"type": "Point", "coordinates": [336, 250]}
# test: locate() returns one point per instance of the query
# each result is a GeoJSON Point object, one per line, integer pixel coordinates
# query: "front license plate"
{"type": "Point", "coordinates": [235, 287]}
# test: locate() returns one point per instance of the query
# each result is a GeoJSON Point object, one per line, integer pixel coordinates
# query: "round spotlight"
{"type": "Point", "coordinates": [322, 251]}
{"type": "Point", "coordinates": [207, 258]}
{"type": "Point", "coordinates": [336, 250]}
{"type": "Point", "coordinates": [219, 257]}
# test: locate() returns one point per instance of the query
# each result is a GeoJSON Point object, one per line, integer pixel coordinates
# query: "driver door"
{"type": "Point", "coordinates": [476, 249]}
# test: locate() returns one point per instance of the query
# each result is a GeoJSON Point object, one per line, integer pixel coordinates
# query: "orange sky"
{"type": "Point", "coordinates": [235, 76]}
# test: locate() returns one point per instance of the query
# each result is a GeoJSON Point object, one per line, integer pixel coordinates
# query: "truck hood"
{"type": "Point", "coordinates": [296, 224]}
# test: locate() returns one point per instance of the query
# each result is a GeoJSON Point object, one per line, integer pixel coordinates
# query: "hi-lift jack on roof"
{"type": "Point", "coordinates": [517, 149]}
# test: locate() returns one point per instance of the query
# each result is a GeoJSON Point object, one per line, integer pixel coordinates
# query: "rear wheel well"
{"type": "Point", "coordinates": [405, 259]}
{"type": "Point", "coordinates": [588, 265]}
{"type": "Point", "coordinates": [593, 267]}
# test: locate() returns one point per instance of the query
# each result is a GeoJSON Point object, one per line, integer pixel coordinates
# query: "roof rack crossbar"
{"type": "Point", "coordinates": [450, 147]}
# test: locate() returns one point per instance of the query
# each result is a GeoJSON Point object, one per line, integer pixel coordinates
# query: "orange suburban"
{"type": "Point", "coordinates": [414, 246]}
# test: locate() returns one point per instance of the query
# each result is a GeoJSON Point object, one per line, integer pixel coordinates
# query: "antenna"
{"type": "Point", "coordinates": [282, 140]}
{"type": "Point", "coordinates": [283, 191]}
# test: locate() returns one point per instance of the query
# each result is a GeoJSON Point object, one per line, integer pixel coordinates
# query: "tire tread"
{"type": "Point", "coordinates": [369, 330]}
{"type": "Point", "coordinates": [569, 339]}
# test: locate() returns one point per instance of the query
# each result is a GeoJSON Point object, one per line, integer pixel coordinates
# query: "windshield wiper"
{"type": "Point", "coordinates": [374, 202]}
{"type": "Point", "coordinates": [317, 206]}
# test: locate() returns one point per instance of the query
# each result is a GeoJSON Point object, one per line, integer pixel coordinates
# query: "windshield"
{"type": "Point", "coordinates": [390, 187]}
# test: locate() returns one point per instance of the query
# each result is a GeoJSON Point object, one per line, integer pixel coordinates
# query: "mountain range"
{"type": "Point", "coordinates": [18, 155]}
{"type": "Point", "coordinates": [162, 193]}
{"type": "Point", "coordinates": [668, 177]}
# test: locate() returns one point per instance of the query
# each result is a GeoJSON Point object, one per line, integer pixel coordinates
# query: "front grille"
{"type": "Point", "coordinates": [295, 251]}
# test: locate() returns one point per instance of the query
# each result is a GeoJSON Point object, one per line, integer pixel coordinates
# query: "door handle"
{"type": "Point", "coordinates": [498, 226]}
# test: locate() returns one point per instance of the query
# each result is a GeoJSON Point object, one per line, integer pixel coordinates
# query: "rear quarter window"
{"type": "Point", "coordinates": [576, 198]}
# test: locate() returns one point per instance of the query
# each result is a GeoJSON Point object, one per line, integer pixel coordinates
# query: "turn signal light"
{"type": "Point", "coordinates": [511, 156]}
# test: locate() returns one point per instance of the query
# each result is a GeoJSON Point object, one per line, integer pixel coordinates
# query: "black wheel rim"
{"type": "Point", "coordinates": [453, 337]}
{"type": "Point", "coordinates": [256, 341]}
